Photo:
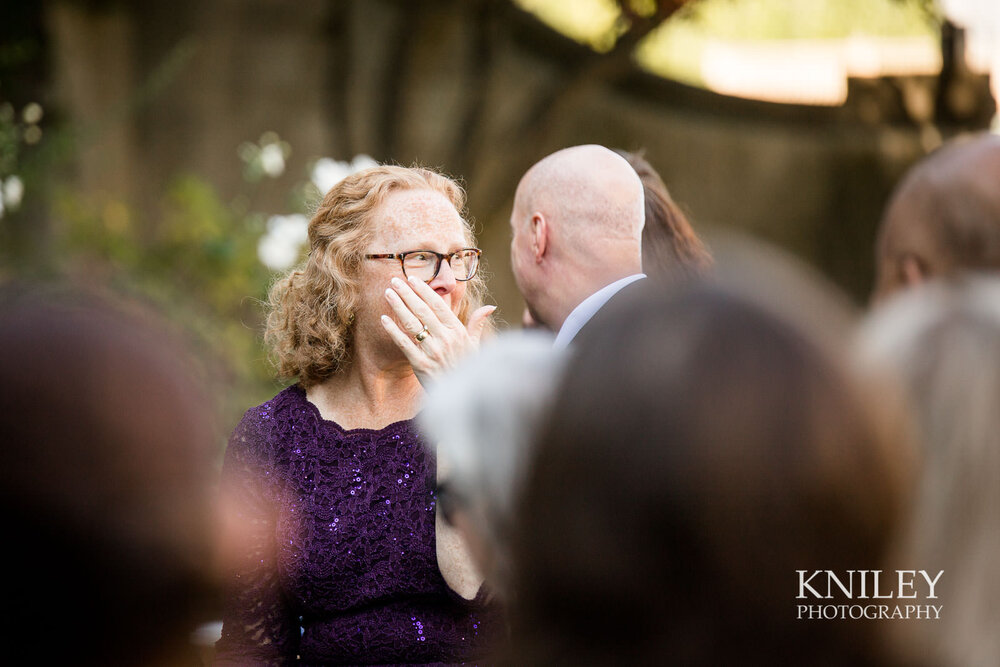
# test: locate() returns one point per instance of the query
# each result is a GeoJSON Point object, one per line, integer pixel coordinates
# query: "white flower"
{"type": "Point", "coordinates": [363, 161]}
{"type": "Point", "coordinates": [13, 192]}
{"type": "Point", "coordinates": [327, 172]}
{"type": "Point", "coordinates": [32, 113]}
{"type": "Point", "coordinates": [272, 160]}
{"type": "Point", "coordinates": [281, 245]}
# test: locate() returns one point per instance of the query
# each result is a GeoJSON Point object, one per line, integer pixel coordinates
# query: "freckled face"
{"type": "Point", "coordinates": [412, 220]}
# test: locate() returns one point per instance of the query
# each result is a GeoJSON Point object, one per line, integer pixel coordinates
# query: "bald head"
{"type": "Point", "coordinates": [588, 192]}
{"type": "Point", "coordinates": [944, 218]}
{"type": "Point", "coordinates": [577, 227]}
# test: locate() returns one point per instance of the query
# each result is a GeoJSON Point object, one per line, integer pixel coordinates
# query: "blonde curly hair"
{"type": "Point", "coordinates": [310, 311]}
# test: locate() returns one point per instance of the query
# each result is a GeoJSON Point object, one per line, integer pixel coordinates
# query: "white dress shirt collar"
{"type": "Point", "coordinates": [587, 308]}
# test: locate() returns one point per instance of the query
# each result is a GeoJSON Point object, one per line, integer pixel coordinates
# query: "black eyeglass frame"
{"type": "Point", "coordinates": [440, 257]}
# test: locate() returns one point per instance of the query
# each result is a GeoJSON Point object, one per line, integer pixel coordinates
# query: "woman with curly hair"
{"type": "Point", "coordinates": [337, 553]}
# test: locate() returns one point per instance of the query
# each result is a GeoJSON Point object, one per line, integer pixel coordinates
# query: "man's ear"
{"type": "Point", "coordinates": [913, 272]}
{"type": "Point", "coordinates": [539, 236]}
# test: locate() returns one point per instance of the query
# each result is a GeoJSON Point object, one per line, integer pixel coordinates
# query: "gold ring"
{"type": "Point", "coordinates": [422, 335]}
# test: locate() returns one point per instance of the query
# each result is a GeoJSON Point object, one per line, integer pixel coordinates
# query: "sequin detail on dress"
{"type": "Point", "coordinates": [338, 562]}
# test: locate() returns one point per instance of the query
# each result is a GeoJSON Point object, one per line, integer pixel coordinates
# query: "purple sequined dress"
{"type": "Point", "coordinates": [338, 561]}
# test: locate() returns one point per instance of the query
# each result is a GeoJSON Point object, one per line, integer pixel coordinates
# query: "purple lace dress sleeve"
{"type": "Point", "coordinates": [337, 559]}
{"type": "Point", "coordinates": [260, 627]}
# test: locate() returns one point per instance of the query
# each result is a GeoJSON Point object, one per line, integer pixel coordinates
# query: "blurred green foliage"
{"type": "Point", "coordinates": [810, 19]}
{"type": "Point", "coordinates": [198, 266]}
{"type": "Point", "coordinates": [592, 21]}
{"type": "Point", "coordinates": [10, 140]}
{"type": "Point", "coordinates": [190, 255]}
{"type": "Point", "coordinates": [674, 49]}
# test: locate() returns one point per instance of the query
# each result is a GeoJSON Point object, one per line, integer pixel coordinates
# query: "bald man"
{"type": "Point", "coordinates": [944, 217]}
{"type": "Point", "coordinates": [577, 229]}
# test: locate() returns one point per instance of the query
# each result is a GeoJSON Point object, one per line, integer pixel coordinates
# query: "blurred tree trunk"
{"type": "Point", "coordinates": [95, 66]}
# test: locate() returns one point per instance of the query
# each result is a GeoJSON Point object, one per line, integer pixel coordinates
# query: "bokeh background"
{"type": "Point", "coordinates": [172, 151]}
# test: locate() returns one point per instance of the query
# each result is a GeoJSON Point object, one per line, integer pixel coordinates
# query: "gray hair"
{"type": "Point", "coordinates": [482, 417]}
{"type": "Point", "coordinates": [943, 341]}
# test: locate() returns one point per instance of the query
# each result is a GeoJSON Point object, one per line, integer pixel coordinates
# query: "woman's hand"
{"type": "Point", "coordinates": [423, 314]}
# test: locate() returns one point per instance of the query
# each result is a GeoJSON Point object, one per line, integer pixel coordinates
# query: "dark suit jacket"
{"type": "Point", "coordinates": [624, 296]}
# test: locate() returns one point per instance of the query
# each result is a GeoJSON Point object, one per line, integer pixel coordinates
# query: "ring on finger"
{"type": "Point", "coordinates": [422, 335]}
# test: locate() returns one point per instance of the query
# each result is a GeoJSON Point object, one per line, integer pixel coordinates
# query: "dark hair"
{"type": "Point", "coordinates": [693, 461]}
{"type": "Point", "coordinates": [669, 245]}
{"type": "Point", "coordinates": [106, 484]}
{"type": "Point", "coordinates": [944, 215]}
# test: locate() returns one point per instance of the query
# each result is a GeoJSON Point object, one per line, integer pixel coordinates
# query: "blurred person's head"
{"type": "Point", "coordinates": [670, 248]}
{"type": "Point", "coordinates": [481, 418]}
{"type": "Point", "coordinates": [694, 460]}
{"type": "Point", "coordinates": [577, 225]}
{"type": "Point", "coordinates": [107, 487]}
{"type": "Point", "coordinates": [943, 218]}
{"type": "Point", "coordinates": [943, 340]}
{"type": "Point", "coordinates": [320, 311]}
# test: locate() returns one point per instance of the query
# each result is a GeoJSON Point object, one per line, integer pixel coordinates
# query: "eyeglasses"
{"type": "Point", "coordinates": [426, 264]}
